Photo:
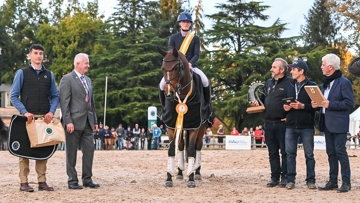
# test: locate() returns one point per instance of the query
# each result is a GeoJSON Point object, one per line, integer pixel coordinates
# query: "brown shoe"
{"type": "Point", "coordinates": [44, 186]}
{"type": "Point", "coordinates": [26, 187]}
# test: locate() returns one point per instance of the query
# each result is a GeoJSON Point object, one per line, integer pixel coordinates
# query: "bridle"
{"type": "Point", "coordinates": [179, 65]}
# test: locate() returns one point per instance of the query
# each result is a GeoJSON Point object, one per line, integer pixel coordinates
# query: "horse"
{"type": "Point", "coordinates": [184, 99]}
{"type": "Point", "coordinates": [4, 134]}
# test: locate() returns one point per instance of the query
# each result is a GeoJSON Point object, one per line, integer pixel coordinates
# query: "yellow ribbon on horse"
{"type": "Point", "coordinates": [181, 109]}
{"type": "Point", "coordinates": [186, 43]}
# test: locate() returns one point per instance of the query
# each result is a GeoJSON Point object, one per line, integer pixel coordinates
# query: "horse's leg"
{"type": "Point", "coordinates": [171, 159]}
{"type": "Point", "coordinates": [198, 147]}
{"type": "Point", "coordinates": [181, 167]}
{"type": "Point", "coordinates": [191, 152]}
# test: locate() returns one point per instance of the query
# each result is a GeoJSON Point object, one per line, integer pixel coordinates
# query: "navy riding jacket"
{"type": "Point", "coordinates": [193, 52]}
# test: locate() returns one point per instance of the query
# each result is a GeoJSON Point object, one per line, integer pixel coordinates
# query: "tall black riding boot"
{"type": "Point", "coordinates": [207, 94]}
{"type": "Point", "coordinates": [162, 97]}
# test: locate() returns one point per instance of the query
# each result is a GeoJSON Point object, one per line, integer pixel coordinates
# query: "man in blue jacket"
{"type": "Point", "coordinates": [334, 121]}
{"type": "Point", "coordinates": [300, 121]}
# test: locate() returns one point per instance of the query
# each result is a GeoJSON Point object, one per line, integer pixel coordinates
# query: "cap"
{"type": "Point", "coordinates": [300, 65]}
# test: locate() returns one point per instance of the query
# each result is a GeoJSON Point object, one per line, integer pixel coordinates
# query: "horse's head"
{"type": "Point", "coordinates": [175, 67]}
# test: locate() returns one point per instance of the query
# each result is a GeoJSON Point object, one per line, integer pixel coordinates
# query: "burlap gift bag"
{"type": "Point", "coordinates": [42, 134]}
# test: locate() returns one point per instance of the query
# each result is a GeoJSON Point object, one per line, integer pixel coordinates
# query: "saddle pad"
{"type": "Point", "coordinates": [19, 143]}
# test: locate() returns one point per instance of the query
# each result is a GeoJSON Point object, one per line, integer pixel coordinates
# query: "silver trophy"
{"type": "Point", "coordinates": [255, 92]}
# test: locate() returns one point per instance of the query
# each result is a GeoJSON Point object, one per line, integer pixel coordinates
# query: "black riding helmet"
{"type": "Point", "coordinates": [184, 16]}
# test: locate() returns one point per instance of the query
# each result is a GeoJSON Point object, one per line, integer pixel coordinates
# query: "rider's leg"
{"type": "Point", "coordinates": [162, 92]}
{"type": "Point", "coordinates": [205, 82]}
{"type": "Point", "coordinates": [204, 79]}
{"type": "Point", "coordinates": [162, 84]}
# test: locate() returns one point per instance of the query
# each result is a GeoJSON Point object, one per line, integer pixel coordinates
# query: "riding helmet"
{"type": "Point", "coordinates": [184, 16]}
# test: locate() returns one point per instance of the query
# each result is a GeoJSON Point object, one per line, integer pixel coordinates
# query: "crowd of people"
{"type": "Point", "coordinates": [258, 135]}
{"type": "Point", "coordinates": [137, 138]}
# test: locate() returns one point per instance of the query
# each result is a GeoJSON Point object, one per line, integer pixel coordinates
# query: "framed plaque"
{"type": "Point", "coordinates": [315, 94]}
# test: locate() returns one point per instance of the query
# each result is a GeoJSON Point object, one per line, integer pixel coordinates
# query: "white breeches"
{"type": "Point", "coordinates": [204, 79]}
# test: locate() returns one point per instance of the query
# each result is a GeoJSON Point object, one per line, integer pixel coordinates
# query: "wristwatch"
{"type": "Point", "coordinates": [302, 106]}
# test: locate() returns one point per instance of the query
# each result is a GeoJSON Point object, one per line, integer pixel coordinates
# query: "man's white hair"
{"type": "Point", "coordinates": [332, 60]}
{"type": "Point", "coordinates": [78, 57]}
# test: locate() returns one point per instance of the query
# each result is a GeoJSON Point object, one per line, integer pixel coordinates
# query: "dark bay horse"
{"type": "Point", "coordinates": [185, 110]}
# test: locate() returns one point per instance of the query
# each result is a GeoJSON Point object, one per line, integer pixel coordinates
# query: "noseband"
{"type": "Point", "coordinates": [177, 88]}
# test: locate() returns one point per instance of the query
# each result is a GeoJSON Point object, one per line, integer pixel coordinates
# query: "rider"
{"type": "Point", "coordinates": [192, 54]}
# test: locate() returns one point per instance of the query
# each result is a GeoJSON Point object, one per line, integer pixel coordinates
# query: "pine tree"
{"type": "Point", "coordinates": [240, 53]}
{"type": "Point", "coordinates": [127, 54]}
{"type": "Point", "coordinates": [320, 28]}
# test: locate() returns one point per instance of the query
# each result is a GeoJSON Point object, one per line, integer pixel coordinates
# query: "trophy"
{"type": "Point", "coordinates": [256, 90]}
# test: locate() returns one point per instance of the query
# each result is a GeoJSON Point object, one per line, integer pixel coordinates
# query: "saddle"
{"type": "Point", "coordinates": [19, 143]}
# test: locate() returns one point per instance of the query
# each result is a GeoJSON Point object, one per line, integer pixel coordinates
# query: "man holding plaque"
{"type": "Point", "coordinates": [274, 116]}
{"type": "Point", "coordinates": [300, 121]}
{"type": "Point", "coordinates": [334, 121]}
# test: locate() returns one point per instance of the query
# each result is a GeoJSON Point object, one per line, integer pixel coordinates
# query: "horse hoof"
{"type": "Point", "coordinates": [180, 177]}
{"type": "Point", "coordinates": [198, 177]}
{"type": "Point", "coordinates": [168, 184]}
{"type": "Point", "coordinates": [191, 184]}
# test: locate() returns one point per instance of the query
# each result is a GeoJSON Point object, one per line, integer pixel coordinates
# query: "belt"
{"type": "Point", "coordinates": [275, 121]}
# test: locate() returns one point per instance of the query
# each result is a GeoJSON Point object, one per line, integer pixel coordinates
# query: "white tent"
{"type": "Point", "coordinates": [354, 125]}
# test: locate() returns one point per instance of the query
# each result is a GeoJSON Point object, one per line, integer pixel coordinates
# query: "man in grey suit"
{"type": "Point", "coordinates": [79, 119]}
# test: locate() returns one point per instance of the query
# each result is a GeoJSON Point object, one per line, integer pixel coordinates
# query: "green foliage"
{"type": "Point", "coordinates": [243, 53]}
{"type": "Point", "coordinates": [320, 28]}
{"type": "Point", "coordinates": [235, 51]}
{"type": "Point", "coordinates": [127, 54]}
{"type": "Point", "coordinates": [74, 34]}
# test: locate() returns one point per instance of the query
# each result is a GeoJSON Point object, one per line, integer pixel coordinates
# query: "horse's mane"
{"type": "Point", "coordinates": [182, 57]}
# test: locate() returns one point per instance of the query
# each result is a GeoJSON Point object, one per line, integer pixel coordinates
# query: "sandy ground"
{"type": "Point", "coordinates": [139, 176]}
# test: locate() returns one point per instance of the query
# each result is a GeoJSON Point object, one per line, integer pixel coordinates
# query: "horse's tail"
{"type": "Point", "coordinates": [3, 131]}
{"type": "Point", "coordinates": [178, 137]}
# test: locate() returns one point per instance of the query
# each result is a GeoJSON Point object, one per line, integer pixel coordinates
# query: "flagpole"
{"type": "Point", "coordinates": [106, 81]}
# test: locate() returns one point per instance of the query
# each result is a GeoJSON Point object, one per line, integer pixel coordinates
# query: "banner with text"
{"type": "Point", "coordinates": [319, 142]}
{"type": "Point", "coordinates": [238, 142]}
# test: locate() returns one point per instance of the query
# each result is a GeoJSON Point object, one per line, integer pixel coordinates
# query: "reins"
{"type": "Point", "coordinates": [178, 88]}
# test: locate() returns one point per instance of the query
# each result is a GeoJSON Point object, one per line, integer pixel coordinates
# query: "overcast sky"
{"type": "Point", "coordinates": [291, 12]}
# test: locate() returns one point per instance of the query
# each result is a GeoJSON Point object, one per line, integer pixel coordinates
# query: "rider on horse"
{"type": "Point", "coordinates": [192, 54]}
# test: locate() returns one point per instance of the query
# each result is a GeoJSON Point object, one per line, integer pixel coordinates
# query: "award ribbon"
{"type": "Point", "coordinates": [181, 108]}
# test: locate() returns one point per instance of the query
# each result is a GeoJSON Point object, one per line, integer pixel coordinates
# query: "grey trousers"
{"type": "Point", "coordinates": [82, 139]}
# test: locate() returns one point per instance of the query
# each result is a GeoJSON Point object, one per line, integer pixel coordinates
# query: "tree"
{"type": "Point", "coordinates": [241, 53]}
{"type": "Point", "coordinates": [347, 13]}
{"type": "Point", "coordinates": [320, 28]}
{"type": "Point", "coordinates": [74, 34]}
{"type": "Point", "coordinates": [20, 21]}
{"type": "Point", "coordinates": [127, 54]}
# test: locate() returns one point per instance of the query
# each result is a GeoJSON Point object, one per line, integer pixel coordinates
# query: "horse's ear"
{"type": "Point", "coordinates": [175, 52]}
{"type": "Point", "coordinates": [162, 51]}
